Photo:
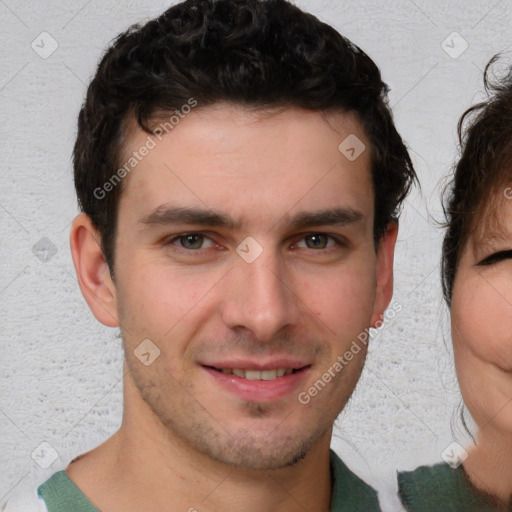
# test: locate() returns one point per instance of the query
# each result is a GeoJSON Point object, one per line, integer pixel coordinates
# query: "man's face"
{"type": "Point", "coordinates": [245, 254]}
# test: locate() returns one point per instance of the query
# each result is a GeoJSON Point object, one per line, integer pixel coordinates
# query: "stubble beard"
{"type": "Point", "coordinates": [199, 430]}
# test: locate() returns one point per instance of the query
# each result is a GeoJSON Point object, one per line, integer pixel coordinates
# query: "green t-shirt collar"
{"type": "Point", "coordinates": [349, 492]}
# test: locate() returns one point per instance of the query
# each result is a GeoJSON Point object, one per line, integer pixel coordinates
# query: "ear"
{"type": "Point", "coordinates": [384, 272]}
{"type": "Point", "coordinates": [92, 271]}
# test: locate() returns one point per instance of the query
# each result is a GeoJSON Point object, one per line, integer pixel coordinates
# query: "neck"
{"type": "Point", "coordinates": [488, 465]}
{"type": "Point", "coordinates": [145, 467]}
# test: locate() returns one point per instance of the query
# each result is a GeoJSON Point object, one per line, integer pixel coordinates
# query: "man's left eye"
{"type": "Point", "coordinates": [316, 241]}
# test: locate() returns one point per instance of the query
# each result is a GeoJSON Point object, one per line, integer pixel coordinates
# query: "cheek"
{"type": "Point", "coordinates": [482, 320]}
{"type": "Point", "coordinates": [482, 341]}
{"type": "Point", "coordinates": [158, 302]}
{"type": "Point", "coordinates": [341, 299]}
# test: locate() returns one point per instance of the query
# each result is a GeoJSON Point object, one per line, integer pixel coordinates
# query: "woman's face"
{"type": "Point", "coordinates": [482, 322]}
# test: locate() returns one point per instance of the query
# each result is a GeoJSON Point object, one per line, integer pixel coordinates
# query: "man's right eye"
{"type": "Point", "coordinates": [192, 241]}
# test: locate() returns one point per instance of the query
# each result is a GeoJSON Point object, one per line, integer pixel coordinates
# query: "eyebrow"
{"type": "Point", "coordinates": [490, 240]}
{"type": "Point", "coordinates": [165, 214]}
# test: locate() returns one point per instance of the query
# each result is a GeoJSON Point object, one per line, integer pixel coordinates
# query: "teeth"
{"type": "Point", "coordinates": [258, 375]}
{"type": "Point", "coordinates": [268, 374]}
{"type": "Point", "coordinates": [252, 375]}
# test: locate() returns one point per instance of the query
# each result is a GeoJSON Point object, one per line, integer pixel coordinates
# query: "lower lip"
{"type": "Point", "coordinates": [259, 390]}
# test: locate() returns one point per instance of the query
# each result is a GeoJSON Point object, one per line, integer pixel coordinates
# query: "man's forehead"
{"type": "Point", "coordinates": [229, 203]}
{"type": "Point", "coordinates": [224, 114]}
{"type": "Point", "coordinates": [303, 165]}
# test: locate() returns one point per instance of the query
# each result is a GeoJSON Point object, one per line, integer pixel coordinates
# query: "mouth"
{"type": "Point", "coordinates": [248, 374]}
{"type": "Point", "coordinates": [259, 382]}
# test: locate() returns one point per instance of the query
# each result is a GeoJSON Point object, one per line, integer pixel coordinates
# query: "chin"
{"type": "Point", "coordinates": [249, 456]}
{"type": "Point", "coordinates": [247, 448]}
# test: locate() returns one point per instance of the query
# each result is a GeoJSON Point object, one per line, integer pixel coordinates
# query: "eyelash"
{"type": "Point", "coordinates": [338, 242]}
{"type": "Point", "coordinates": [495, 258]}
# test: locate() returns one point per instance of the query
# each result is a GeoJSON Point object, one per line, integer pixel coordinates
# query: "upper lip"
{"type": "Point", "coordinates": [248, 364]}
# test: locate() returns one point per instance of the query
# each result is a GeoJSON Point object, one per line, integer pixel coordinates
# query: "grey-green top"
{"type": "Point", "coordinates": [349, 492]}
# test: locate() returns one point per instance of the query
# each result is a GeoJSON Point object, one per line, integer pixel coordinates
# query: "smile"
{"type": "Point", "coordinates": [257, 374]}
{"type": "Point", "coordinates": [268, 383]}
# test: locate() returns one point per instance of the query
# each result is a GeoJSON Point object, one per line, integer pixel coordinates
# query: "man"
{"type": "Point", "coordinates": [240, 178]}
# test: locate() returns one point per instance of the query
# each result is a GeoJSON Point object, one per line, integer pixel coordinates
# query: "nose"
{"type": "Point", "coordinates": [257, 297]}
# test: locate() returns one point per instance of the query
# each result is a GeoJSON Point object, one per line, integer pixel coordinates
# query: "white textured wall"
{"type": "Point", "coordinates": [60, 371]}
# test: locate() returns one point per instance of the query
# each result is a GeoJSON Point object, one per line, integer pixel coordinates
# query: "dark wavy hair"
{"type": "Point", "coordinates": [259, 54]}
{"type": "Point", "coordinates": [482, 173]}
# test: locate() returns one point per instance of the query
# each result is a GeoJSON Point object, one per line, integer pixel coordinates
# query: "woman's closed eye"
{"type": "Point", "coordinates": [496, 257]}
